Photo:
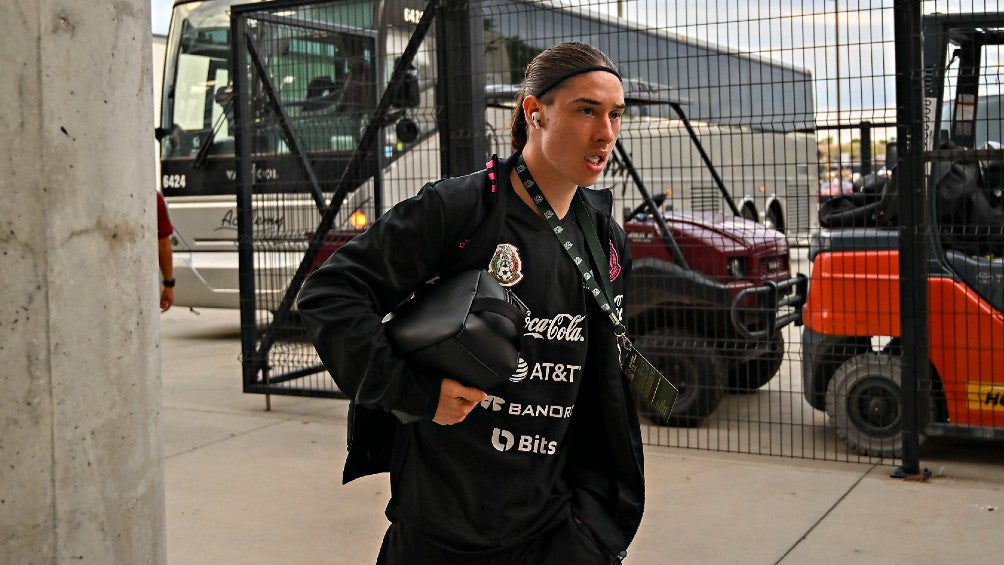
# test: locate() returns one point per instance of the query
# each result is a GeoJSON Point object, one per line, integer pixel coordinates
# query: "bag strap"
{"type": "Point", "coordinates": [503, 308]}
{"type": "Point", "coordinates": [603, 300]}
{"type": "Point", "coordinates": [484, 209]}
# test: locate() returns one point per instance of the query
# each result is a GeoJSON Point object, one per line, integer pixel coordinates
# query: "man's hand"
{"type": "Point", "coordinates": [455, 402]}
{"type": "Point", "coordinates": [166, 298]}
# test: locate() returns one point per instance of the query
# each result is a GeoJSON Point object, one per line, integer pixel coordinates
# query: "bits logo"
{"type": "Point", "coordinates": [504, 440]}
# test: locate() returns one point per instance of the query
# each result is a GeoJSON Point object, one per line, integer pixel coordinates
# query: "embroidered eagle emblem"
{"type": "Point", "coordinates": [506, 265]}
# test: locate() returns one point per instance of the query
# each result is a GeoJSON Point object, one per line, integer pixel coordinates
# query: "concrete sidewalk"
{"type": "Point", "coordinates": [250, 486]}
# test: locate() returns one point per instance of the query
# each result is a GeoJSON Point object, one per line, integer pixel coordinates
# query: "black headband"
{"type": "Point", "coordinates": [581, 70]}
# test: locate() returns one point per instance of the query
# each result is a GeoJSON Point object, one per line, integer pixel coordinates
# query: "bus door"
{"type": "Point", "coordinates": [311, 84]}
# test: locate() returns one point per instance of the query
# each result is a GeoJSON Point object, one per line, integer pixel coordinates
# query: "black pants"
{"type": "Point", "coordinates": [564, 544]}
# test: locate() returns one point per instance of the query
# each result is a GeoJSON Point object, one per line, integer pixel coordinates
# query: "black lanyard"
{"type": "Point", "coordinates": [652, 386]}
{"type": "Point", "coordinates": [604, 296]}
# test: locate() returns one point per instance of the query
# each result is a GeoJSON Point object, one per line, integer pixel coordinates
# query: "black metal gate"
{"type": "Point", "coordinates": [792, 129]}
{"type": "Point", "coordinates": [308, 161]}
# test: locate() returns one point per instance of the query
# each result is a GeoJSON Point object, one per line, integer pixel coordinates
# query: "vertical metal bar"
{"type": "Point", "coordinates": [913, 226]}
{"type": "Point", "coordinates": [706, 158]}
{"type": "Point", "coordinates": [660, 221]}
{"type": "Point", "coordinates": [245, 248]}
{"type": "Point", "coordinates": [460, 93]}
{"type": "Point", "coordinates": [866, 148]}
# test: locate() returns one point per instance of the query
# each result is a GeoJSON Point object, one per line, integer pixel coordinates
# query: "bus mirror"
{"type": "Point", "coordinates": [406, 95]}
{"type": "Point", "coordinates": [407, 130]}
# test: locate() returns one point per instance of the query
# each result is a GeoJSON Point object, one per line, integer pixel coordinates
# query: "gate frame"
{"type": "Point", "coordinates": [255, 355]}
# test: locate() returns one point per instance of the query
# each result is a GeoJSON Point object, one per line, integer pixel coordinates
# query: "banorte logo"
{"type": "Point", "coordinates": [492, 403]}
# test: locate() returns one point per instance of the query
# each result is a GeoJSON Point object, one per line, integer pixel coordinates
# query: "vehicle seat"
{"type": "Point", "coordinates": [993, 177]}
{"type": "Point", "coordinates": [322, 93]}
{"type": "Point", "coordinates": [985, 276]}
{"type": "Point", "coordinates": [873, 204]}
{"type": "Point", "coordinates": [968, 220]}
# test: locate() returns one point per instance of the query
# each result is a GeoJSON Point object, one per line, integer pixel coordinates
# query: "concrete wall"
{"type": "Point", "coordinates": [81, 466]}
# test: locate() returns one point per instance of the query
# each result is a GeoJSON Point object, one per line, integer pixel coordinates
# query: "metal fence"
{"type": "Point", "coordinates": [852, 143]}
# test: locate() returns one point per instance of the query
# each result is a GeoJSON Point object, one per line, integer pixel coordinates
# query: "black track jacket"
{"type": "Point", "coordinates": [450, 226]}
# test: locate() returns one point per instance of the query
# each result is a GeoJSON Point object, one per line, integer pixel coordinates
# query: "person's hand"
{"type": "Point", "coordinates": [455, 402]}
{"type": "Point", "coordinates": [166, 298]}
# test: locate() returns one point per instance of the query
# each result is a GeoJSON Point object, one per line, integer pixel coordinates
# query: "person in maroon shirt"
{"type": "Point", "coordinates": [164, 254]}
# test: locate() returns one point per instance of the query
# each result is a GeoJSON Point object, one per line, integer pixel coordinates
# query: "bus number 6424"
{"type": "Point", "coordinates": [173, 181]}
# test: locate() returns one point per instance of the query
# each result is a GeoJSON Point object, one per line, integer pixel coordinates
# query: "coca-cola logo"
{"type": "Point", "coordinates": [562, 327]}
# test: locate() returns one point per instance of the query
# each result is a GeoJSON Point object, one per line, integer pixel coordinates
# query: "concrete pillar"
{"type": "Point", "coordinates": [81, 463]}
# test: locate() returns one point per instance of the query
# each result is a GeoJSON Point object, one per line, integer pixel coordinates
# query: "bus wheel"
{"type": "Point", "coordinates": [748, 212]}
{"type": "Point", "coordinates": [864, 400]}
{"type": "Point", "coordinates": [684, 359]}
{"type": "Point", "coordinates": [753, 374]}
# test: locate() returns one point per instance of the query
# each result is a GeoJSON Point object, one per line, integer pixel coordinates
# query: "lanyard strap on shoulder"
{"type": "Point", "coordinates": [603, 296]}
{"type": "Point", "coordinates": [651, 385]}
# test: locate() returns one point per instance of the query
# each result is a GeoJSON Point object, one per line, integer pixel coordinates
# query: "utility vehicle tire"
{"type": "Point", "coordinates": [690, 364]}
{"type": "Point", "coordinates": [864, 400]}
{"type": "Point", "coordinates": [749, 376]}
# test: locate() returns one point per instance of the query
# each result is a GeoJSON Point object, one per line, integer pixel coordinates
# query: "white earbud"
{"type": "Point", "coordinates": [535, 118]}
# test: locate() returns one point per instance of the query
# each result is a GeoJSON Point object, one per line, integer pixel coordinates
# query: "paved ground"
{"type": "Point", "coordinates": [253, 486]}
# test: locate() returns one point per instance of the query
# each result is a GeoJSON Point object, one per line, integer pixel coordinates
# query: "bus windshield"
{"type": "Point", "coordinates": [197, 66]}
{"type": "Point", "coordinates": [317, 75]}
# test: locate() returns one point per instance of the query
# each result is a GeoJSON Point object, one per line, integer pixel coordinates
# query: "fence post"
{"type": "Point", "coordinates": [243, 149]}
{"type": "Point", "coordinates": [913, 226]}
{"type": "Point", "coordinates": [460, 93]}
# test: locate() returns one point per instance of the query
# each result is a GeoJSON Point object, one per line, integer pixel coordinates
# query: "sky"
{"type": "Point", "coordinates": [160, 16]}
{"type": "Point", "coordinates": [846, 44]}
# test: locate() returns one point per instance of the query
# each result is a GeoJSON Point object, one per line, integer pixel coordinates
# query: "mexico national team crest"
{"type": "Point", "coordinates": [506, 265]}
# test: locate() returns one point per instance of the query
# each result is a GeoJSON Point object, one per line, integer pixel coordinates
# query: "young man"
{"type": "Point", "coordinates": [546, 468]}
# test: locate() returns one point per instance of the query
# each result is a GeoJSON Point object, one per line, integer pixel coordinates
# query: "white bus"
{"type": "Point", "coordinates": [754, 118]}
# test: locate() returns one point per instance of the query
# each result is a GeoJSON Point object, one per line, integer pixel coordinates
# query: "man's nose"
{"type": "Point", "coordinates": [607, 129]}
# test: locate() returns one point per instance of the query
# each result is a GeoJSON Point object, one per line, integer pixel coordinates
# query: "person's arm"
{"type": "Point", "coordinates": [344, 302]}
{"type": "Point", "coordinates": [164, 254]}
{"type": "Point", "coordinates": [166, 260]}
